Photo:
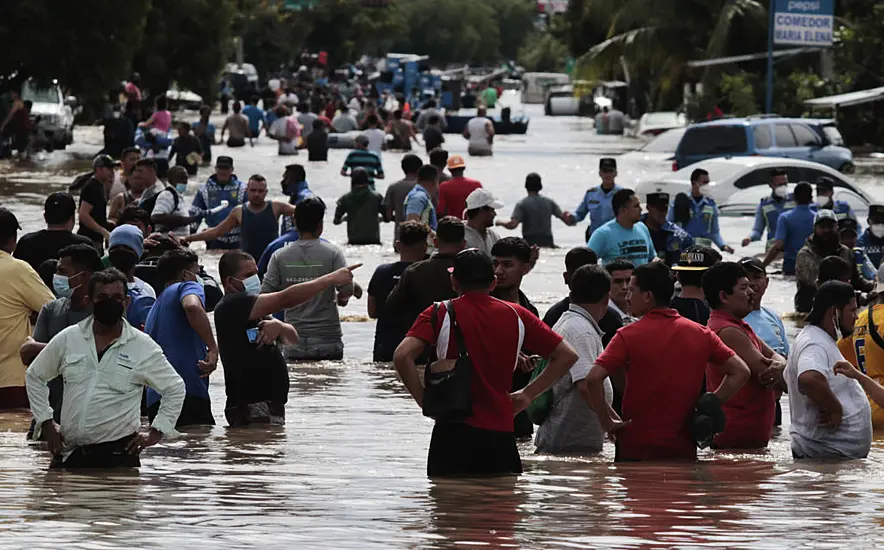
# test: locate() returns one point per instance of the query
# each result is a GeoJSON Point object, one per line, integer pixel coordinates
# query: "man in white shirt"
{"type": "Point", "coordinates": [572, 426]}
{"type": "Point", "coordinates": [105, 364]}
{"type": "Point", "coordinates": [831, 416]}
{"type": "Point", "coordinates": [481, 210]}
{"type": "Point", "coordinates": [170, 214]}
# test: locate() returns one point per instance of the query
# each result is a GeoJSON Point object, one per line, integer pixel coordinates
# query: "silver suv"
{"type": "Point", "coordinates": [52, 113]}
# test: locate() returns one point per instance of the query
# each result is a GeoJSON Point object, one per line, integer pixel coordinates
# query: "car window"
{"type": "Point", "coordinates": [760, 176]}
{"type": "Point", "coordinates": [812, 175]}
{"type": "Point", "coordinates": [667, 142]}
{"type": "Point", "coordinates": [762, 136]}
{"type": "Point", "coordinates": [805, 136]}
{"type": "Point", "coordinates": [833, 135]}
{"type": "Point", "coordinates": [714, 140]}
{"type": "Point", "coordinates": [784, 135]}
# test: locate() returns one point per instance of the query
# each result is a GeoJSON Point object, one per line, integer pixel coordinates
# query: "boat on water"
{"type": "Point", "coordinates": [503, 124]}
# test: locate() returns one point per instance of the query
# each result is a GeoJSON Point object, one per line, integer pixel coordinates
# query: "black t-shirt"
{"type": "Point", "coordinates": [251, 374]}
{"type": "Point", "coordinates": [433, 137]}
{"type": "Point", "coordinates": [609, 324]}
{"type": "Point", "coordinates": [93, 193]}
{"type": "Point", "coordinates": [317, 145]}
{"type": "Point", "coordinates": [692, 308]}
{"type": "Point", "coordinates": [392, 325]}
{"type": "Point", "coordinates": [39, 246]}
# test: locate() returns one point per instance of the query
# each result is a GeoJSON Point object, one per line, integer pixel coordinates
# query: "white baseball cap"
{"type": "Point", "coordinates": [481, 198]}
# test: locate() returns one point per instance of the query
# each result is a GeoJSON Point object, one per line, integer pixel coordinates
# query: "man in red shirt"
{"type": "Point", "coordinates": [750, 414]}
{"type": "Point", "coordinates": [665, 357]}
{"type": "Point", "coordinates": [454, 192]}
{"type": "Point", "coordinates": [493, 332]}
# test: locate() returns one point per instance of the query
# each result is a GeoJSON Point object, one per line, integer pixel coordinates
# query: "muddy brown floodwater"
{"type": "Point", "coordinates": [348, 468]}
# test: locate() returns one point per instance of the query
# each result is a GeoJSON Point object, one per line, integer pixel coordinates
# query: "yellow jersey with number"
{"type": "Point", "coordinates": [869, 356]}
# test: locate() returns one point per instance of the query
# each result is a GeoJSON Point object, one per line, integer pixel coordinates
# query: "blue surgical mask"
{"type": "Point", "coordinates": [197, 279]}
{"type": "Point", "coordinates": [62, 286]}
{"type": "Point", "coordinates": [252, 285]}
{"type": "Point", "coordinates": [181, 188]}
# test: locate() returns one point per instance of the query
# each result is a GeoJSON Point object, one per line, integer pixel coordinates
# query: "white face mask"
{"type": "Point", "coordinates": [877, 230]}
{"type": "Point", "coordinates": [705, 190]}
{"type": "Point", "coordinates": [838, 334]}
{"type": "Point", "coordinates": [62, 286]}
{"type": "Point", "coordinates": [252, 285]}
{"type": "Point", "coordinates": [781, 191]}
{"type": "Point", "coordinates": [822, 201]}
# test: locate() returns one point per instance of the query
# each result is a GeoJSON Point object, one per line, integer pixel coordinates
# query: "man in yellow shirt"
{"type": "Point", "coordinates": [864, 349]}
{"type": "Point", "coordinates": [22, 295]}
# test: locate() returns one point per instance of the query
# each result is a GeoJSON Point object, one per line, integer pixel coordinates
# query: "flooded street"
{"type": "Point", "coordinates": [348, 468]}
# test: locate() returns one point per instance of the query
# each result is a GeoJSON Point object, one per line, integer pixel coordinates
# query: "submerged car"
{"type": "Point", "coordinates": [654, 124]}
{"type": "Point", "coordinates": [657, 154]}
{"type": "Point", "coordinates": [52, 113]}
{"type": "Point", "coordinates": [738, 184]}
{"type": "Point", "coordinates": [561, 101]}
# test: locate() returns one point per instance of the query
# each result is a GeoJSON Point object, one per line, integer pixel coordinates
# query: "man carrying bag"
{"type": "Point", "coordinates": [479, 341]}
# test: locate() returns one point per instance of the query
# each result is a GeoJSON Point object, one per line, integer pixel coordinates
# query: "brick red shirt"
{"type": "Point", "coordinates": [664, 356]}
{"type": "Point", "coordinates": [494, 331]}
{"type": "Point", "coordinates": [750, 413]}
{"type": "Point", "coordinates": [453, 196]}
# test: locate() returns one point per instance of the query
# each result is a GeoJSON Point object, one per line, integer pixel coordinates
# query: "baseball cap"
{"type": "Point", "coordinates": [361, 139]}
{"type": "Point", "coordinates": [472, 267]}
{"type": "Point", "coordinates": [8, 223]}
{"type": "Point", "coordinates": [128, 236]}
{"type": "Point", "coordinates": [103, 161]}
{"type": "Point", "coordinates": [658, 199]}
{"type": "Point", "coordinates": [224, 162]}
{"type": "Point", "coordinates": [694, 260]}
{"type": "Point", "coordinates": [848, 224]}
{"type": "Point", "coordinates": [456, 162]}
{"type": "Point", "coordinates": [481, 198]}
{"type": "Point", "coordinates": [59, 206]}
{"type": "Point", "coordinates": [825, 215]}
{"type": "Point", "coordinates": [826, 183]}
{"type": "Point", "coordinates": [876, 210]}
{"type": "Point", "coordinates": [750, 263]}
{"type": "Point", "coordinates": [607, 164]}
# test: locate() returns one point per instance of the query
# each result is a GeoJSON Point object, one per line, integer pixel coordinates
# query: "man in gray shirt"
{"type": "Point", "coordinates": [394, 199]}
{"type": "Point", "coordinates": [572, 426]}
{"type": "Point", "coordinates": [536, 212]}
{"type": "Point", "coordinates": [317, 320]}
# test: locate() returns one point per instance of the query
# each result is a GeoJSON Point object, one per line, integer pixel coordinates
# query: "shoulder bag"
{"type": "Point", "coordinates": [447, 384]}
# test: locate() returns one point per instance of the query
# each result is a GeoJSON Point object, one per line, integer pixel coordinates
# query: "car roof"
{"type": "Point", "coordinates": [733, 165]}
{"type": "Point", "coordinates": [752, 121]}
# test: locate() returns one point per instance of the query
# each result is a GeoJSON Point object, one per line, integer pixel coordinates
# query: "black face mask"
{"type": "Point", "coordinates": [124, 260]}
{"type": "Point", "coordinates": [108, 312]}
{"type": "Point", "coordinates": [829, 241]}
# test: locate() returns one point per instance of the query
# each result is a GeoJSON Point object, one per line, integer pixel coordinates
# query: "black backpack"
{"type": "Point", "coordinates": [150, 203]}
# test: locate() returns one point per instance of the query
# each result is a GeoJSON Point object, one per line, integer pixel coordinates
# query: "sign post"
{"type": "Point", "coordinates": [798, 23]}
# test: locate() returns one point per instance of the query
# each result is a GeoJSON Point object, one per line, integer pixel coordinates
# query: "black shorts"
{"type": "Point", "coordinates": [458, 449]}
{"type": "Point", "coordinates": [111, 454]}
{"type": "Point", "coordinates": [196, 411]}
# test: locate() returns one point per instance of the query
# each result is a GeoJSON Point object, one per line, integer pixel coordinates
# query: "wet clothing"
{"type": "Point", "coordinates": [691, 308]}
{"type": "Point", "coordinates": [453, 196]}
{"type": "Point", "coordinates": [281, 241]}
{"type": "Point", "coordinates": [478, 140]}
{"type": "Point", "coordinates": [766, 215]}
{"type": "Point", "coordinates": [362, 206]}
{"type": "Point", "coordinates": [703, 225]}
{"type": "Point", "coordinates": [296, 193]}
{"type": "Point", "coordinates": [872, 246]}
{"type": "Point", "coordinates": [107, 455]}
{"type": "Point", "coordinates": [815, 350]}
{"type": "Point", "coordinates": [317, 146]}
{"type": "Point", "coordinates": [522, 425]}
{"type": "Point", "coordinates": [39, 246]}
{"type": "Point", "coordinates": [458, 449]}
{"type": "Point", "coordinates": [209, 196]}
{"type": "Point", "coordinates": [612, 241]}
{"type": "Point", "coordinates": [750, 413]}
{"type": "Point", "coordinates": [793, 229]}
{"type": "Point", "coordinates": [255, 115]}
{"type": "Point", "coordinates": [489, 97]}
{"type": "Point", "coordinates": [807, 267]}
{"type": "Point", "coordinates": [344, 122]}
{"type": "Point", "coordinates": [419, 202]}
{"type": "Point", "coordinates": [182, 149]}
{"type": "Point", "coordinates": [769, 327]}
{"type": "Point", "coordinates": [401, 132]}
{"type": "Point", "coordinates": [94, 193]}
{"type": "Point", "coordinates": [394, 200]}
{"type": "Point", "coordinates": [535, 212]}
{"type": "Point", "coordinates": [171, 202]}
{"type": "Point", "coordinates": [363, 158]}
{"type": "Point", "coordinates": [306, 122]}
{"type": "Point", "coordinates": [167, 324]}
{"type": "Point", "coordinates": [869, 355]}
{"type": "Point", "coordinates": [392, 324]}
{"type": "Point", "coordinates": [422, 284]}
{"type": "Point", "coordinates": [597, 205]}
{"type": "Point", "coordinates": [433, 137]}
{"type": "Point", "coordinates": [669, 241]}
{"type": "Point", "coordinates": [258, 229]}
{"type": "Point", "coordinates": [663, 380]}
{"type": "Point", "coordinates": [609, 324]}
{"type": "Point", "coordinates": [205, 132]}
{"type": "Point", "coordinates": [255, 378]}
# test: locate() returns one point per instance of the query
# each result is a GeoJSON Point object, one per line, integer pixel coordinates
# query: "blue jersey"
{"type": "Point", "coordinates": [612, 241]}
{"type": "Point", "coordinates": [255, 116]}
{"type": "Point", "coordinates": [864, 264]}
{"type": "Point", "coordinates": [597, 203]}
{"type": "Point", "coordinates": [210, 195]}
{"type": "Point", "coordinates": [766, 216]}
{"type": "Point", "coordinates": [669, 241]}
{"type": "Point", "coordinates": [872, 246]}
{"type": "Point", "coordinates": [703, 225]}
{"type": "Point", "coordinates": [793, 228]}
{"type": "Point", "coordinates": [768, 326]}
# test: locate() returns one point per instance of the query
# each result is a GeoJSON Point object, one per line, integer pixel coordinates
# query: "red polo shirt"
{"type": "Point", "coordinates": [453, 196]}
{"type": "Point", "coordinates": [664, 356]}
{"type": "Point", "coordinates": [494, 331]}
{"type": "Point", "coordinates": [750, 413]}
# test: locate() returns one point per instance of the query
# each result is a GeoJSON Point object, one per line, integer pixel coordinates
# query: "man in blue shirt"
{"type": "Point", "coordinates": [770, 208]}
{"type": "Point", "coordinates": [597, 201]}
{"type": "Point", "coordinates": [848, 229]}
{"type": "Point", "coordinates": [179, 324]}
{"type": "Point", "coordinates": [825, 194]}
{"type": "Point", "coordinates": [625, 236]}
{"type": "Point", "coordinates": [294, 186]}
{"type": "Point", "coordinates": [419, 201]}
{"type": "Point", "coordinates": [222, 186]}
{"type": "Point", "coordinates": [872, 239]}
{"type": "Point", "coordinates": [703, 225]}
{"type": "Point", "coordinates": [669, 239]}
{"type": "Point", "coordinates": [255, 116]}
{"type": "Point", "coordinates": [793, 229]}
